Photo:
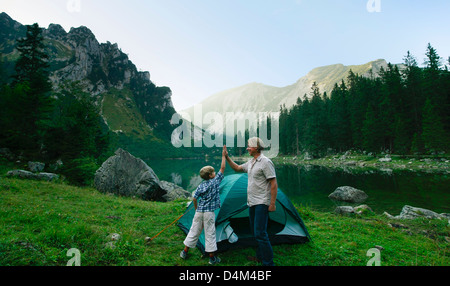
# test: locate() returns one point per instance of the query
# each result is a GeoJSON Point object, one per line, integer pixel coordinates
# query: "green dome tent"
{"type": "Point", "coordinates": [232, 223]}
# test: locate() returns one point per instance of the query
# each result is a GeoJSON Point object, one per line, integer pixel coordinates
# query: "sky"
{"type": "Point", "coordinates": [202, 47]}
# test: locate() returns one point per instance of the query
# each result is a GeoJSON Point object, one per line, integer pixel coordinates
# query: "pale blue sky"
{"type": "Point", "coordinates": [201, 47]}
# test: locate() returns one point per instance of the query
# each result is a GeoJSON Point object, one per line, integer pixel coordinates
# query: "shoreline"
{"type": "Point", "coordinates": [360, 162]}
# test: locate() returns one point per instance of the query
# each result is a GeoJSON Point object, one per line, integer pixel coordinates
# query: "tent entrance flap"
{"type": "Point", "coordinates": [241, 227]}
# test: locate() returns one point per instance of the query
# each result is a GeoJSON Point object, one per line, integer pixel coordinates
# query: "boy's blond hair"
{"type": "Point", "coordinates": [206, 172]}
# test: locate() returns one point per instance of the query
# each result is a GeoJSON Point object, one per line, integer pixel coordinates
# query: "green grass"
{"type": "Point", "coordinates": [41, 221]}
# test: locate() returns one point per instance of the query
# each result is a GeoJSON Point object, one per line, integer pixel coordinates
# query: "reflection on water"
{"type": "Point", "coordinates": [311, 185]}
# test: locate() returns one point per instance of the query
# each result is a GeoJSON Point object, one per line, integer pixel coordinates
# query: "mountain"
{"type": "Point", "coordinates": [130, 103]}
{"type": "Point", "coordinates": [258, 97]}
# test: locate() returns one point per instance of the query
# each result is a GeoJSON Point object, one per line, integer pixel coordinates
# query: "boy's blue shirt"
{"type": "Point", "coordinates": [207, 194]}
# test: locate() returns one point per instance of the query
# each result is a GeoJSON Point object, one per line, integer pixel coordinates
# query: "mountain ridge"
{"type": "Point", "coordinates": [258, 97]}
{"type": "Point", "coordinates": [98, 68]}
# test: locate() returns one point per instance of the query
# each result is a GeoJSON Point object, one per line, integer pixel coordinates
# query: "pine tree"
{"type": "Point", "coordinates": [2, 72]}
{"type": "Point", "coordinates": [432, 80]}
{"type": "Point", "coordinates": [32, 65]}
{"type": "Point", "coordinates": [391, 102]}
{"type": "Point", "coordinates": [413, 88]}
{"type": "Point", "coordinates": [32, 70]}
{"type": "Point", "coordinates": [402, 139]}
{"type": "Point", "coordinates": [13, 100]}
{"type": "Point", "coordinates": [339, 118]}
{"type": "Point", "coordinates": [372, 130]}
{"type": "Point", "coordinates": [283, 132]}
{"type": "Point", "coordinates": [357, 108]}
{"type": "Point", "coordinates": [433, 60]}
{"type": "Point", "coordinates": [434, 136]}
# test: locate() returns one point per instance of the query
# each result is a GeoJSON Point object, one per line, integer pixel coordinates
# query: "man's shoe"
{"type": "Point", "coordinates": [214, 260]}
{"type": "Point", "coordinates": [183, 254]}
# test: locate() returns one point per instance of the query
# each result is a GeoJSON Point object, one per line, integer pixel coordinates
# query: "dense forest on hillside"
{"type": "Point", "coordinates": [398, 111]}
{"type": "Point", "coordinates": [38, 124]}
{"type": "Point", "coordinates": [65, 125]}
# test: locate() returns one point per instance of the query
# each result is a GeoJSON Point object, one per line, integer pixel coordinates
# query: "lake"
{"type": "Point", "coordinates": [311, 185]}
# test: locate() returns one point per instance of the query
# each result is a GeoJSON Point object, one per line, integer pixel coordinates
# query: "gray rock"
{"type": "Point", "coordinates": [344, 210]}
{"type": "Point", "coordinates": [409, 212]}
{"type": "Point", "coordinates": [36, 167]}
{"type": "Point", "coordinates": [5, 152]}
{"type": "Point", "coordinates": [174, 191]}
{"type": "Point", "coordinates": [48, 176]}
{"type": "Point", "coordinates": [22, 174]}
{"type": "Point", "coordinates": [56, 166]}
{"type": "Point", "coordinates": [126, 175]}
{"type": "Point", "coordinates": [114, 237]}
{"type": "Point", "coordinates": [445, 215]}
{"type": "Point", "coordinates": [363, 209]}
{"type": "Point", "coordinates": [348, 194]}
{"type": "Point", "coordinates": [388, 215]}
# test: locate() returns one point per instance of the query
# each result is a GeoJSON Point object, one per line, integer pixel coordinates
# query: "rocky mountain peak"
{"type": "Point", "coordinates": [5, 20]}
{"type": "Point", "coordinates": [77, 56]}
{"type": "Point", "coordinates": [55, 31]}
{"type": "Point", "coordinates": [82, 32]}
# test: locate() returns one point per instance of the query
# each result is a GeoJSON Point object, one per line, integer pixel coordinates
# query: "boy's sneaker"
{"type": "Point", "coordinates": [183, 254]}
{"type": "Point", "coordinates": [214, 260]}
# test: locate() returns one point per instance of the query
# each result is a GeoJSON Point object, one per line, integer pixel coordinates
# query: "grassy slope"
{"type": "Point", "coordinates": [41, 221]}
{"type": "Point", "coordinates": [121, 113]}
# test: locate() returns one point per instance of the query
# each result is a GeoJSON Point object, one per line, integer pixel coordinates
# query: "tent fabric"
{"type": "Point", "coordinates": [232, 219]}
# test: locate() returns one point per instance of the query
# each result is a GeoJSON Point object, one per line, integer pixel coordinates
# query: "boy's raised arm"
{"type": "Point", "coordinates": [232, 164]}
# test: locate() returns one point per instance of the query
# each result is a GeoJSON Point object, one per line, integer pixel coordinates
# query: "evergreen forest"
{"type": "Point", "coordinates": [402, 110]}
{"type": "Point", "coordinates": [38, 123]}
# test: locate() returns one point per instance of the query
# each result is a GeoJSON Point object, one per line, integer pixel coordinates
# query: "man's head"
{"type": "Point", "coordinates": [207, 173]}
{"type": "Point", "coordinates": [255, 146]}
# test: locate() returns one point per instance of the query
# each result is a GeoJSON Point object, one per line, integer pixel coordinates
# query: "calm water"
{"type": "Point", "coordinates": [311, 185]}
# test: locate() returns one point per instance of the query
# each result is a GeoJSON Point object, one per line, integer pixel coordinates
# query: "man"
{"type": "Point", "coordinates": [261, 195]}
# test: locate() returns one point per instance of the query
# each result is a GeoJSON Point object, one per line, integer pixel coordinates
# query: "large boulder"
{"type": "Point", "coordinates": [126, 175]}
{"type": "Point", "coordinates": [348, 194]}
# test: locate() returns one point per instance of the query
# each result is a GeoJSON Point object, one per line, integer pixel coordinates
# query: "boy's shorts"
{"type": "Point", "coordinates": [202, 221]}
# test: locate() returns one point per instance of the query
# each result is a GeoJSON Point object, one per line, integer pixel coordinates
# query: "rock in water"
{"type": "Point", "coordinates": [348, 194]}
{"type": "Point", "coordinates": [126, 175]}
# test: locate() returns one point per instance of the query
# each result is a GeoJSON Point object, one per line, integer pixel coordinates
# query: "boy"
{"type": "Point", "coordinates": [206, 201]}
